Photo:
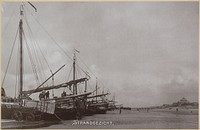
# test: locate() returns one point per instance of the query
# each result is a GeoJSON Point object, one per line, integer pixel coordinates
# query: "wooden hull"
{"type": "Point", "coordinates": [7, 110]}
{"type": "Point", "coordinates": [97, 108]}
{"type": "Point", "coordinates": [61, 115]}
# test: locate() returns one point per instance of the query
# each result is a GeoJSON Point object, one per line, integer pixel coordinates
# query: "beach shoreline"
{"type": "Point", "coordinates": [130, 119]}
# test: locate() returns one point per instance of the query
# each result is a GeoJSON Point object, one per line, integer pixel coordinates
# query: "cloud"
{"type": "Point", "coordinates": [141, 51]}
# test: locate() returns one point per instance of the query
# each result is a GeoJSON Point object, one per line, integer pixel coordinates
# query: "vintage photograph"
{"type": "Point", "coordinates": [99, 65]}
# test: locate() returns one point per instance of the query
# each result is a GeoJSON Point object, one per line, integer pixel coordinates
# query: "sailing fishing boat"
{"type": "Point", "coordinates": [65, 107]}
{"type": "Point", "coordinates": [68, 106]}
{"type": "Point", "coordinates": [111, 105]}
{"type": "Point", "coordinates": [97, 104]}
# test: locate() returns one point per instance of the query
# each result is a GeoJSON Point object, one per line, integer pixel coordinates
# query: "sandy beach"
{"type": "Point", "coordinates": [157, 118]}
{"type": "Point", "coordinates": [128, 119]}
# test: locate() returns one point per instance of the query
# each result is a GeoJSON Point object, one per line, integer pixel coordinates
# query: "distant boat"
{"type": "Point", "coordinates": [111, 105]}
{"type": "Point", "coordinates": [97, 106]}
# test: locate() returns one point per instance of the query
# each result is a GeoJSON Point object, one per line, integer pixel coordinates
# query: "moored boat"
{"type": "Point", "coordinates": [66, 107]}
{"type": "Point", "coordinates": [97, 104]}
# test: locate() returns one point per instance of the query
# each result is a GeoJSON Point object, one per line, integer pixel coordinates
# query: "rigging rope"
{"type": "Point", "coordinates": [68, 78]}
{"type": "Point", "coordinates": [32, 62]}
{"type": "Point", "coordinates": [90, 70]}
{"type": "Point", "coordinates": [33, 65]}
{"type": "Point", "coordinates": [17, 71]}
{"type": "Point", "coordinates": [36, 54]}
{"type": "Point", "coordinates": [61, 47]}
{"type": "Point", "coordinates": [78, 72]}
{"type": "Point", "coordinates": [53, 39]}
{"type": "Point", "coordinates": [78, 69]}
{"type": "Point", "coordinates": [10, 58]}
{"type": "Point", "coordinates": [50, 36]}
{"type": "Point", "coordinates": [35, 43]}
{"type": "Point", "coordinates": [11, 16]}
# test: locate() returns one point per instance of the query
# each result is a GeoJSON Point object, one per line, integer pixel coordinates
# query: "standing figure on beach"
{"type": "Point", "coordinates": [176, 109]}
{"type": "Point", "coordinates": [63, 94]}
{"type": "Point", "coordinates": [41, 96]}
{"type": "Point", "coordinates": [47, 95]}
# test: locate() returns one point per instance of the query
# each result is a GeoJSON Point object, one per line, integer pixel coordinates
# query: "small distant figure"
{"type": "Point", "coordinates": [63, 94]}
{"type": "Point", "coordinates": [47, 95]}
{"type": "Point", "coordinates": [147, 109]}
{"type": "Point", "coordinates": [191, 111]}
{"type": "Point", "coordinates": [120, 110]}
{"type": "Point", "coordinates": [138, 109]}
{"type": "Point", "coordinates": [41, 96]}
{"type": "Point", "coordinates": [176, 109]}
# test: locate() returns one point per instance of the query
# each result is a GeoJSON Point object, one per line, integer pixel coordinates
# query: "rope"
{"type": "Point", "coordinates": [35, 43]}
{"type": "Point", "coordinates": [39, 64]}
{"type": "Point", "coordinates": [31, 60]}
{"type": "Point", "coordinates": [58, 118]}
{"type": "Point", "coordinates": [68, 78]}
{"type": "Point", "coordinates": [37, 59]}
{"type": "Point", "coordinates": [61, 47]}
{"type": "Point", "coordinates": [69, 74]}
{"type": "Point", "coordinates": [54, 40]}
{"type": "Point", "coordinates": [50, 36]}
{"type": "Point", "coordinates": [9, 58]}
{"type": "Point", "coordinates": [78, 70]}
{"type": "Point", "coordinates": [11, 16]}
{"type": "Point", "coordinates": [17, 72]}
{"type": "Point", "coordinates": [90, 70]}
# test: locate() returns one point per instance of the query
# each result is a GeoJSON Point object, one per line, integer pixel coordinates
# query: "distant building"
{"type": "Point", "coordinates": [184, 102]}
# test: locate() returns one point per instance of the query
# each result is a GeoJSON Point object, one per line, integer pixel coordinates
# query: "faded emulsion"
{"type": "Point", "coordinates": [96, 65]}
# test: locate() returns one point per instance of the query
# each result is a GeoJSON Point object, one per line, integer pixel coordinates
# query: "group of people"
{"type": "Point", "coordinates": [44, 95]}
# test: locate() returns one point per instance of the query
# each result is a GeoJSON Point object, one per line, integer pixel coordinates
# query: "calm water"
{"type": "Point", "coordinates": [134, 119]}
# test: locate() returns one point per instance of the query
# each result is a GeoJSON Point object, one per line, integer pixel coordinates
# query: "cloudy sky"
{"type": "Point", "coordinates": [146, 53]}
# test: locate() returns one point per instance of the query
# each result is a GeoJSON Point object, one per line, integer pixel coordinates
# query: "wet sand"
{"type": "Point", "coordinates": [128, 119]}
{"type": "Point", "coordinates": [157, 118]}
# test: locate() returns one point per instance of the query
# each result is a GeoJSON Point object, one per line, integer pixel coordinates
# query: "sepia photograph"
{"type": "Point", "coordinates": [100, 65]}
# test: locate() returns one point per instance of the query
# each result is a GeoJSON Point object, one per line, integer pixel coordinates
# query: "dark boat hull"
{"type": "Point", "coordinates": [67, 115]}
{"type": "Point", "coordinates": [7, 110]}
{"type": "Point", "coordinates": [74, 111]}
{"type": "Point", "coordinates": [97, 108]}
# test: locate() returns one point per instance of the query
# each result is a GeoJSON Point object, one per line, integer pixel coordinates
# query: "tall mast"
{"type": "Point", "coordinates": [85, 86]}
{"type": "Point", "coordinates": [114, 99]}
{"type": "Point", "coordinates": [96, 89]}
{"type": "Point", "coordinates": [21, 52]}
{"type": "Point", "coordinates": [74, 74]}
